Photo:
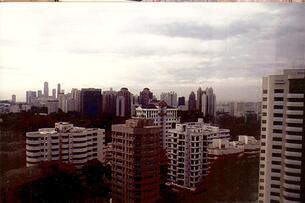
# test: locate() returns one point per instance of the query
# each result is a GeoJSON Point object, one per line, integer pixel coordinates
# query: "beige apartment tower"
{"type": "Point", "coordinates": [136, 161]}
{"type": "Point", "coordinates": [282, 156]}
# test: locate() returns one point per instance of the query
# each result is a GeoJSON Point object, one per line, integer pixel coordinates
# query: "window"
{"type": "Point", "coordinates": [278, 139]}
{"type": "Point", "coordinates": [277, 131]}
{"type": "Point", "coordinates": [276, 155]}
{"type": "Point", "coordinates": [275, 178]}
{"type": "Point", "coordinates": [264, 106]}
{"type": "Point", "coordinates": [264, 98]}
{"type": "Point", "coordinates": [265, 91]}
{"type": "Point", "coordinates": [263, 129]}
{"type": "Point", "coordinates": [278, 99]}
{"type": "Point", "coordinates": [277, 123]}
{"type": "Point", "coordinates": [276, 146]}
{"type": "Point", "coordinates": [264, 121]}
{"type": "Point", "coordinates": [278, 91]}
{"type": "Point", "coordinates": [277, 115]}
{"type": "Point", "coordinates": [278, 106]}
{"type": "Point", "coordinates": [274, 170]}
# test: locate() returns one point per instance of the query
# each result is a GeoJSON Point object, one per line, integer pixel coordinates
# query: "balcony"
{"type": "Point", "coordinates": [292, 178]}
{"type": "Point", "coordinates": [291, 186]}
{"type": "Point", "coordinates": [294, 112]}
{"type": "Point", "coordinates": [297, 146]}
{"type": "Point", "coordinates": [294, 162]}
{"type": "Point", "coordinates": [295, 154]}
{"type": "Point", "coordinates": [297, 104]}
{"type": "Point", "coordinates": [292, 120]}
{"type": "Point", "coordinates": [33, 142]}
{"type": "Point", "coordinates": [295, 95]}
{"type": "Point", "coordinates": [290, 194]}
{"type": "Point", "coordinates": [293, 137]}
{"type": "Point", "coordinates": [294, 129]}
{"type": "Point", "coordinates": [292, 170]}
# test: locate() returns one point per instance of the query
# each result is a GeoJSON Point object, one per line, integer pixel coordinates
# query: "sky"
{"type": "Point", "coordinates": [162, 46]}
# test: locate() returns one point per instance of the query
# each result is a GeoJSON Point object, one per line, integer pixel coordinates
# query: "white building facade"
{"type": "Point", "coordinates": [66, 143]}
{"type": "Point", "coordinates": [282, 172]}
{"type": "Point", "coordinates": [187, 151]}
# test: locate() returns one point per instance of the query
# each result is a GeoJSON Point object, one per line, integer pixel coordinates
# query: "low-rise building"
{"type": "Point", "coordinates": [66, 143]}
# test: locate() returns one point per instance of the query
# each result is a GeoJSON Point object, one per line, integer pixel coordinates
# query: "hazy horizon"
{"type": "Point", "coordinates": [163, 47]}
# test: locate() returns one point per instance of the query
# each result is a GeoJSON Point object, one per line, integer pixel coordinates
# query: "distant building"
{"type": "Point", "coordinates": [54, 93]}
{"type": "Point", "coordinates": [123, 103]}
{"type": "Point", "coordinates": [39, 93]}
{"type": "Point", "coordinates": [282, 157]}
{"type": "Point", "coordinates": [136, 161]}
{"type": "Point", "coordinates": [46, 89]}
{"type": "Point", "coordinates": [14, 99]}
{"type": "Point", "coordinates": [209, 103]}
{"type": "Point", "coordinates": [246, 146]}
{"type": "Point", "coordinates": [145, 97]}
{"type": "Point", "coordinates": [109, 102]}
{"type": "Point", "coordinates": [164, 116]}
{"type": "Point", "coordinates": [225, 108]}
{"type": "Point", "coordinates": [199, 99]}
{"type": "Point", "coordinates": [181, 101]}
{"type": "Point", "coordinates": [170, 98]}
{"type": "Point", "coordinates": [66, 143]}
{"type": "Point", "coordinates": [192, 102]}
{"type": "Point", "coordinates": [58, 90]}
{"type": "Point", "coordinates": [52, 105]}
{"type": "Point", "coordinates": [30, 95]}
{"type": "Point", "coordinates": [91, 102]}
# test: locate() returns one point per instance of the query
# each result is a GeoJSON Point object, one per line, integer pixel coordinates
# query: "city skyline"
{"type": "Point", "coordinates": [150, 47]}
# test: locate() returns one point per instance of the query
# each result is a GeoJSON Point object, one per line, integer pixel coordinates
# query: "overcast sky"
{"type": "Point", "coordinates": [174, 46]}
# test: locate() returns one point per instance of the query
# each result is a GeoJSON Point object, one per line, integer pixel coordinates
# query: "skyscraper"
{"type": "Point", "coordinates": [181, 101]}
{"type": "Point", "coordinates": [123, 103]}
{"type": "Point", "coordinates": [199, 99]}
{"type": "Point", "coordinates": [209, 103]}
{"type": "Point", "coordinates": [91, 102]}
{"type": "Point", "coordinates": [54, 93]}
{"type": "Point", "coordinates": [46, 89]}
{"type": "Point", "coordinates": [30, 95]}
{"type": "Point", "coordinates": [39, 93]}
{"type": "Point", "coordinates": [170, 98]}
{"type": "Point", "coordinates": [14, 99]}
{"type": "Point", "coordinates": [282, 157]}
{"type": "Point", "coordinates": [145, 97]}
{"type": "Point", "coordinates": [136, 161]}
{"type": "Point", "coordinates": [192, 101]}
{"type": "Point", "coordinates": [109, 102]}
{"type": "Point", "coordinates": [58, 90]}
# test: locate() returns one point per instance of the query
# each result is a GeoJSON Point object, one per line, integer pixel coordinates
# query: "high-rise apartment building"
{"type": "Point", "coordinates": [282, 156]}
{"type": "Point", "coordinates": [46, 89]}
{"type": "Point", "coordinates": [192, 102]}
{"type": "Point", "coordinates": [136, 161]}
{"type": "Point", "coordinates": [91, 102]}
{"type": "Point", "coordinates": [123, 103]}
{"type": "Point", "coordinates": [66, 143]}
{"type": "Point", "coordinates": [188, 154]}
{"type": "Point", "coordinates": [145, 97]}
{"type": "Point", "coordinates": [163, 115]}
{"type": "Point", "coordinates": [170, 98]}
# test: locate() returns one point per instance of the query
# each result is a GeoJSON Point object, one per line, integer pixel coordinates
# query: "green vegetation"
{"type": "Point", "coordinates": [58, 182]}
